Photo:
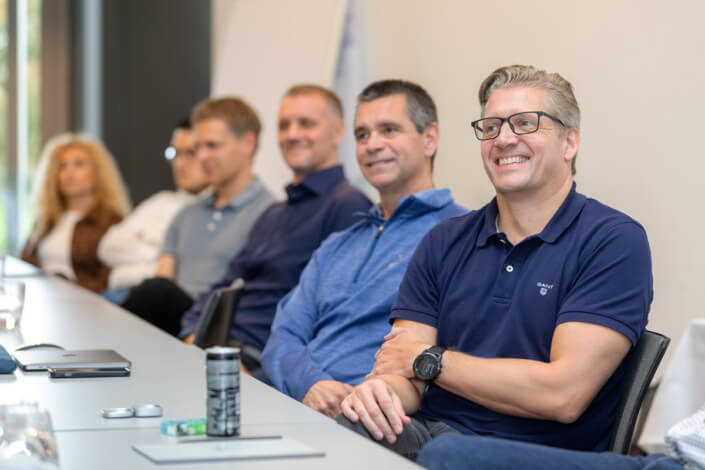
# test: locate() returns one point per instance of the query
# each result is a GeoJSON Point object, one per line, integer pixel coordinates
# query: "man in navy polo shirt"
{"type": "Point", "coordinates": [513, 321]}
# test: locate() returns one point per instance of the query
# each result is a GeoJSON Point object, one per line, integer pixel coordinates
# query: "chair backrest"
{"type": "Point", "coordinates": [213, 327]}
{"type": "Point", "coordinates": [640, 365]}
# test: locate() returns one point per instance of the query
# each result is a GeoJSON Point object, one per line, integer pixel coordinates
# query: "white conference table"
{"type": "Point", "coordinates": [682, 389]}
{"type": "Point", "coordinates": [165, 371]}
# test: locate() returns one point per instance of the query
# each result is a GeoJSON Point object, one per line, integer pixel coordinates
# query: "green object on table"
{"type": "Point", "coordinates": [184, 427]}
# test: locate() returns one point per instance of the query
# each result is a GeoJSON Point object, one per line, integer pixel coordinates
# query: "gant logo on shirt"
{"type": "Point", "coordinates": [544, 288]}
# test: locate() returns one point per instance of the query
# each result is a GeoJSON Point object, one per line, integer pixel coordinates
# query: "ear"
{"type": "Point", "coordinates": [249, 139]}
{"type": "Point", "coordinates": [339, 130]}
{"type": "Point", "coordinates": [430, 138]}
{"type": "Point", "coordinates": [572, 142]}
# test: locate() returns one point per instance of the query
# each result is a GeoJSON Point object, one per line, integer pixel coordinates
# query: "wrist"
{"type": "Point", "coordinates": [428, 364]}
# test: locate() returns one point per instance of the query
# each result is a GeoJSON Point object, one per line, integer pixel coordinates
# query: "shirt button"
{"type": "Point", "coordinates": [217, 215]}
{"type": "Point", "coordinates": [211, 227]}
{"type": "Point", "coordinates": [509, 268]}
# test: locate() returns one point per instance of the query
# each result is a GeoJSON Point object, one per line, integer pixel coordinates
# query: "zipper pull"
{"type": "Point", "coordinates": [379, 232]}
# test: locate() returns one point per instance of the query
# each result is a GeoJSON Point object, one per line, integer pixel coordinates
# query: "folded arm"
{"type": "Point", "coordinates": [583, 357]}
{"type": "Point", "coordinates": [390, 393]}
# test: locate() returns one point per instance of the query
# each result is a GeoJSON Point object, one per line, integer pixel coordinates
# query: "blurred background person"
{"type": "Point", "coordinates": [131, 248]}
{"type": "Point", "coordinates": [78, 195]}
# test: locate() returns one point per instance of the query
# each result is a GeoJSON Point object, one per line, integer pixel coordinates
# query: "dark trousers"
{"type": "Point", "coordinates": [411, 440]}
{"type": "Point", "coordinates": [160, 302]}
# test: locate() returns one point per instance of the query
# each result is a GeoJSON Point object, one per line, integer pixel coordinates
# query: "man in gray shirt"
{"type": "Point", "coordinates": [203, 236]}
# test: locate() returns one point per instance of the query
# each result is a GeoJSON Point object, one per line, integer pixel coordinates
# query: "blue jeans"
{"type": "Point", "coordinates": [476, 452]}
{"type": "Point", "coordinates": [116, 296]}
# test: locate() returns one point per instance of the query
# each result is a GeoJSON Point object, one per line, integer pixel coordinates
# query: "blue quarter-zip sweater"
{"type": "Point", "coordinates": [332, 323]}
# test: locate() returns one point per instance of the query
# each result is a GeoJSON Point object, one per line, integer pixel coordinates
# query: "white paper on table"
{"type": "Point", "coordinates": [226, 450]}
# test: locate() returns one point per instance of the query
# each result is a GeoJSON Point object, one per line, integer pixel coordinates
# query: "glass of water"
{"type": "Point", "coordinates": [26, 438]}
{"type": "Point", "coordinates": [11, 304]}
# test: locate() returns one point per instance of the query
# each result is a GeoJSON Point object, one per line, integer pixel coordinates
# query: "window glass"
{"type": "Point", "coordinates": [15, 185]}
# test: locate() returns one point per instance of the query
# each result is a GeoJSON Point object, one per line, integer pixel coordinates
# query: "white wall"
{"type": "Point", "coordinates": [261, 48]}
{"type": "Point", "coordinates": [638, 70]}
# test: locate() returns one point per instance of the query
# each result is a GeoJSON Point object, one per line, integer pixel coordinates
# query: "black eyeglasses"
{"type": "Point", "coordinates": [520, 123]}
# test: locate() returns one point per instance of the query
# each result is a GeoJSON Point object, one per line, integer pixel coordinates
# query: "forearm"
{"type": "Point", "coordinates": [408, 391]}
{"type": "Point", "coordinates": [166, 267]}
{"type": "Point", "coordinates": [120, 246]}
{"type": "Point", "coordinates": [518, 387]}
{"type": "Point", "coordinates": [289, 365]}
{"type": "Point", "coordinates": [583, 357]}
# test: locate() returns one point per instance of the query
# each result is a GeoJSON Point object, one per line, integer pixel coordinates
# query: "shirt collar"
{"type": "Point", "coordinates": [316, 184]}
{"type": "Point", "coordinates": [416, 204]}
{"type": "Point", "coordinates": [242, 199]}
{"type": "Point", "coordinates": [561, 220]}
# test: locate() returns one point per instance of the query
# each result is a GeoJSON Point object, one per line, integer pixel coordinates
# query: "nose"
{"type": "Point", "coordinates": [201, 153]}
{"type": "Point", "coordinates": [373, 143]}
{"type": "Point", "coordinates": [506, 135]}
{"type": "Point", "coordinates": [292, 131]}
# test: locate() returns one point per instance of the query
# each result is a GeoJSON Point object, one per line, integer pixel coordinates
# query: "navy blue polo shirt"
{"type": "Point", "coordinates": [490, 299]}
{"type": "Point", "coordinates": [278, 248]}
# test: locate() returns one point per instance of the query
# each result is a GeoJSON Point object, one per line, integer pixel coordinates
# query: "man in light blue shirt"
{"type": "Point", "coordinates": [327, 329]}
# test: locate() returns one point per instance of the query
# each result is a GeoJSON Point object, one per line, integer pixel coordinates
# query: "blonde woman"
{"type": "Point", "coordinates": [78, 195]}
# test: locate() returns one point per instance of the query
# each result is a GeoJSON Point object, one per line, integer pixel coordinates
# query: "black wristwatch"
{"type": "Point", "coordinates": [427, 365]}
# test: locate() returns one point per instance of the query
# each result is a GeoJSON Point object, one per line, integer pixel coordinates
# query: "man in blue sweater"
{"type": "Point", "coordinates": [326, 330]}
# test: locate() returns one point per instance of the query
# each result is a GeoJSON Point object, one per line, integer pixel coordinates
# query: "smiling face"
{"type": "Point", "coordinates": [76, 173]}
{"type": "Point", "coordinates": [530, 163]}
{"type": "Point", "coordinates": [222, 154]}
{"type": "Point", "coordinates": [309, 134]}
{"type": "Point", "coordinates": [393, 156]}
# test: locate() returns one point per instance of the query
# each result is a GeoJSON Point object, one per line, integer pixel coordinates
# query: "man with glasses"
{"type": "Point", "coordinates": [513, 321]}
{"type": "Point", "coordinates": [131, 248]}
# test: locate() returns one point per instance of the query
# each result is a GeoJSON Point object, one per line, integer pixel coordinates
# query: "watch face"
{"type": "Point", "coordinates": [426, 367]}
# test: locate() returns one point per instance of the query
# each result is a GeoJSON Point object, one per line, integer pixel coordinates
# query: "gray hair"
{"type": "Point", "coordinates": [420, 107]}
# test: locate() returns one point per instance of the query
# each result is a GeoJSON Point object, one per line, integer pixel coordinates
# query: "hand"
{"type": "Point", "coordinates": [378, 407]}
{"type": "Point", "coordinates": [325, 396]}
{"type": "Point", "coordinates": [397, 354]}
{"type": "Point", "coordinates": [189, 339]}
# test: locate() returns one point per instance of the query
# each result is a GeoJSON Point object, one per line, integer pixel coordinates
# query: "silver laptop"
{"type": "Point", "coordinates": [77, 359]}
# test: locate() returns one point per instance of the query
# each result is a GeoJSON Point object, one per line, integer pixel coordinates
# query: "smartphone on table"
{"type": "Point", "coordinates": [79, 373]}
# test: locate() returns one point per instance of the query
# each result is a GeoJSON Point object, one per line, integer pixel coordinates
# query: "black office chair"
{"type": "Point", "coordinates": [641, 364]}
{"type": "Point", "coordinates": [213, 327]}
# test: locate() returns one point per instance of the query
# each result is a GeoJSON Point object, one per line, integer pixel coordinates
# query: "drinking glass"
{"type": "Point", "coordinates": [27, 438]}
{"type": "Point", "coordinates": [11, 304]}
